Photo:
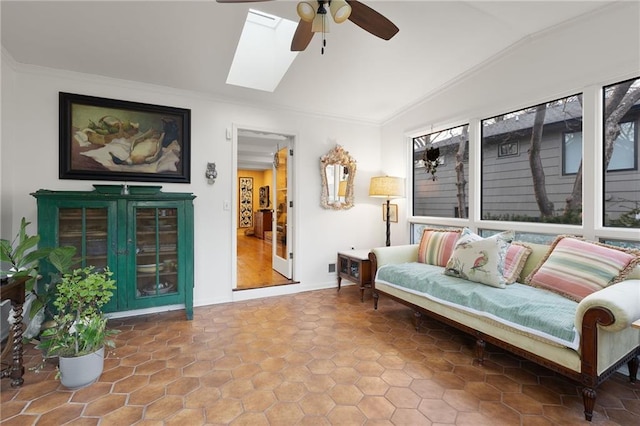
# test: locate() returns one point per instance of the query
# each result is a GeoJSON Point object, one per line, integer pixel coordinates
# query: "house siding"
{"type": "Point", "coordinates": [507, 183]}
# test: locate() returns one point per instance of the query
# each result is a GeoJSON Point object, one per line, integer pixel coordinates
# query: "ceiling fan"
{"type": "Point", "coordinates": [313, 19]}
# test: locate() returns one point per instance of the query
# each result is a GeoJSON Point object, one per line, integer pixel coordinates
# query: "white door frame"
{"type": "Point", "coordinates": [292, 218]}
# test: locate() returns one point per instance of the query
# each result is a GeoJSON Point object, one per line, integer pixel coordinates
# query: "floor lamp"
{"type": "Point", "coordinates": [387, 187]}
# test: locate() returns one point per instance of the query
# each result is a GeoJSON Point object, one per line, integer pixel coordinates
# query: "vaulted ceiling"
{"type": "Point", "coordinates": [190, 45]}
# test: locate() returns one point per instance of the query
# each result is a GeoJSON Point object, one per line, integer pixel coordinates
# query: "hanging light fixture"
{"type": "Point", "coordinates": [307, 11]}
{"type": "Point", "coordinates": [340, 10]}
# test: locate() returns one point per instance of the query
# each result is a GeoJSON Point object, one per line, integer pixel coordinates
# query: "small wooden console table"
{"type": "Point", "coordinates": [354, 265]}
{"type": "Point", "coordinates": [14, 291]}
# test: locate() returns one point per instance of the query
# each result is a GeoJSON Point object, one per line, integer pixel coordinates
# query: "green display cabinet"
{"type": "Point", "coordinates": [145, 236]}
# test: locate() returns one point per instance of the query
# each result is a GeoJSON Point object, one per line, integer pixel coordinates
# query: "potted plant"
{"type": "Point", "coordinates": [80, 333]}
{"type": "Point", "coordinates": [22, 257]}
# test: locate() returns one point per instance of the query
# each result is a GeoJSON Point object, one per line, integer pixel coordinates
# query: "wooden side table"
{"type": "Point", "coordinates": [354, 265]}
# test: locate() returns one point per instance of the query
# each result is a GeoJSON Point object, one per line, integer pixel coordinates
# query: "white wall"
{"type": "Point", "coordinates": [29, 161]}
{"type": "Point", "coordinates": [595, 50]}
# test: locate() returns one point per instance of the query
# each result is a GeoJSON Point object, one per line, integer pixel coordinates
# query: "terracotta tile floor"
{"type": "Point", "coordinates": [314, 358]}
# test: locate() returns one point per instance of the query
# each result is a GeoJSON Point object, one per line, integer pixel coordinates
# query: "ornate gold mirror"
{"type": "Point", "coordinates": [338, 171]}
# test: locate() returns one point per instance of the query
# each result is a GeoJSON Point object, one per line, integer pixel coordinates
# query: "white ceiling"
{"type": "Point", "coordinates": [190, 45]}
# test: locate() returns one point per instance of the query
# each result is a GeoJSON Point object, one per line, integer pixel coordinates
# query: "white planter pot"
{"type": "Point", "coordinates": [81, 371]}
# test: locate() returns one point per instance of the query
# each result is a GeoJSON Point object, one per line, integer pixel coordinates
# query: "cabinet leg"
{"type": "Point", "coordinates": [339, 282]}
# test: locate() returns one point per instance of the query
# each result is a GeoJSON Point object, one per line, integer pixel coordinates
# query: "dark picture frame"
{"type": "Point", "coordinates": [110, 139]}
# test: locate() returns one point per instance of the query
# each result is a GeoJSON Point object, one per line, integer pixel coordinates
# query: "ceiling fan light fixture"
{"type": "Point", "coordinates": [320, 24]}
{"type": "Point", "coordinates": [306, 11]}
{"type": "Point", "coordinates": [340, 10]}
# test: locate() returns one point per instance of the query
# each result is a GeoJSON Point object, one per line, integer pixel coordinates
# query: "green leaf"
{"type": "Point", "coordinates": [6, 251]}
{"type": "Point", "coordinates": [62, 258]}
{"type": "Point", "coordinates": [25, 245]}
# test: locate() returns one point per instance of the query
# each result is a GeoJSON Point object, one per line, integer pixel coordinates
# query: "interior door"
{"type": "Point", "coordinates": [281, 229]}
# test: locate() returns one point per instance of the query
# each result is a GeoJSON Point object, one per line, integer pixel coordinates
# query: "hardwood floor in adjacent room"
{"type": "Point", "coordinates": [255, 264]}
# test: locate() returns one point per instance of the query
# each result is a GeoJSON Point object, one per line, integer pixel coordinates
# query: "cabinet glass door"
{"type": "Point", "coordinates": [156, 265]}
{"type": "Point", "coordinates": [355, 269]}
{"type": "Point", "coordinates": [86, 230]}
{"type": "Point", "coordinates": [344, 265]}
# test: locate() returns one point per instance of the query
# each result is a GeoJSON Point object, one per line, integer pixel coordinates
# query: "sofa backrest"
{"type": "Point", "coordinates": [538, 252]}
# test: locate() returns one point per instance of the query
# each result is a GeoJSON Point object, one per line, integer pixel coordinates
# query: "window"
{"type": "Point", "coordinates": [528, 184]}
{"type": "Point", "coordinates": [621, 114]}
{"type": "Point", "coordinates": [624, 148]}
{"type": "Point", "coordinates": [622, 158]}
{"type": "Point", "coordinates": [571, 153]}
{"type": "Point", "coordinates": [441, 173]}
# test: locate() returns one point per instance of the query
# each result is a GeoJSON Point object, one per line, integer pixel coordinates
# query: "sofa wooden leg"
{"type": "Point", "coordinates": [480, 345]}
{"type": "Point", "coordinates": [633, 369]}
{"type": "Point", "coordinates": [417, 316]}
{"type": "Point", "coordinates": [589, 398]}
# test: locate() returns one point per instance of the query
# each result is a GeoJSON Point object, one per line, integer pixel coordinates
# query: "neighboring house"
{"type": "Point", "coordinates": [507, 190]}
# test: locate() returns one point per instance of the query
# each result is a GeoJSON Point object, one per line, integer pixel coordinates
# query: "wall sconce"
{"type": "Point", "coordinates": [211, 174]}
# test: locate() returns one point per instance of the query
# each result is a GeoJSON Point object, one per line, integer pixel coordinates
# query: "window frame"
{"type": "Point", "coordinates": [592, 227]}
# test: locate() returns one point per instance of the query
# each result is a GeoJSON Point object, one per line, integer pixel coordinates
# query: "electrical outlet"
{"type": "Point", "coordinates": [226, 205]}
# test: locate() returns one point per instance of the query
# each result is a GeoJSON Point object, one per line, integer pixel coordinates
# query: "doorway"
{"type": "Point", "coordinates": [264, 229]}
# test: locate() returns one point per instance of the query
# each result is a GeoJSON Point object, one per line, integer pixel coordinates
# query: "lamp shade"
{"type": "Point", "coordinates": [386, 187]}
{"type": "Point", "coordinates": [306, 11]}
{"type": "Point", "coordinates": [320, 24]}
{"type": "Point", "coordinates": [342, 188]}
{"type": "Point", "coordinates": [340, 10]}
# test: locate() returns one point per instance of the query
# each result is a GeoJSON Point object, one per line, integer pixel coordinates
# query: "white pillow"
{"type": "Point", "coordinates": [480, 259]}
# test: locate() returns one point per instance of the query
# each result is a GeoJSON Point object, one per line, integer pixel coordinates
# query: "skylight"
{"type": "Point", "coordinates": [263, 55]}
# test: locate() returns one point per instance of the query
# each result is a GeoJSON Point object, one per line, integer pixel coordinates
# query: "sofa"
{"type": "Point", "coordinates": [585, 337]}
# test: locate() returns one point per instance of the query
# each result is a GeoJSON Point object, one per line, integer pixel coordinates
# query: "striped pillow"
{"type": "Point", "coordinates": [575, 268]}
{"type": "Point", "coordinates": [436, 245]}
{"type": "Point", "coordinates": [517, 255]}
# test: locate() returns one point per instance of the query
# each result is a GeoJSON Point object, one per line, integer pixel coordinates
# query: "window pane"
{"type": "Point", "coordinates": [624, 244]}
{"type": "Point", "coordinates": [620, 153]}
{"type": "Point", "coordinates": [523, 237]}
{"type": "Point", "coordinates": [441, 173]}
{"type": "Point", "coordinates": [522, 174]}
{"type": "Point", "coordinates": [572, 152]}
{"type": "Point", "coordinates": [624, 148]}
{"type": "Point", "coordinates": [417, 229]}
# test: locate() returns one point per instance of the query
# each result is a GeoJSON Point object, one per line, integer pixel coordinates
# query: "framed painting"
{"type": "Point", "coordinates": [264, 197]}
{"type": "Point", "coordinates": [393, 212]}
{"type": "Point", "coordinates": [109, 139]}
{"type": "Point", "coordinates": [246, 202]}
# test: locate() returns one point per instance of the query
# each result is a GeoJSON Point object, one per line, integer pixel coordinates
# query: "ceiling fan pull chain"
{"type": "Point", "coordinates": [324, 41]}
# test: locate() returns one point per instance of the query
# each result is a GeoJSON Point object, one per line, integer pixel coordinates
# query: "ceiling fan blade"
{"type": "Point", "coordinates": [302, 37]}
{"type": "Point", "coordinates": [371, 21]}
